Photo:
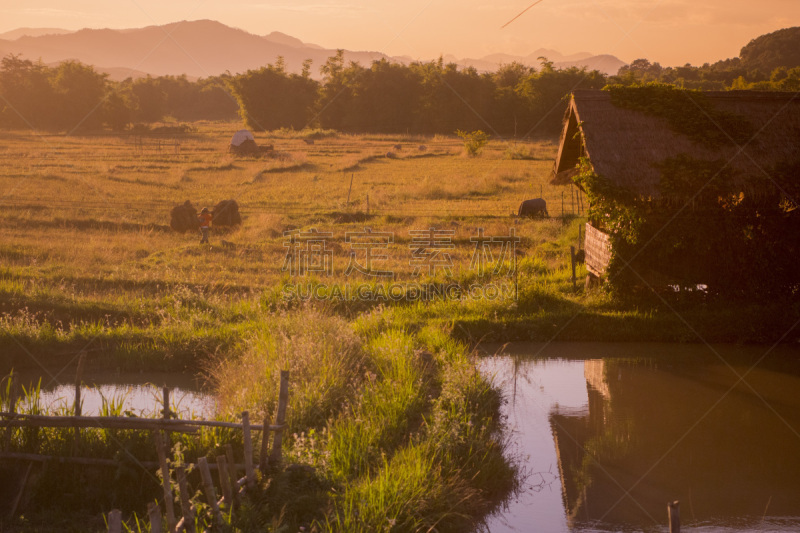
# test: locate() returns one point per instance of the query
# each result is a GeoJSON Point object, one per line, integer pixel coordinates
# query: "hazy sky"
{"type": "Point", "coordinates": [669, 31]}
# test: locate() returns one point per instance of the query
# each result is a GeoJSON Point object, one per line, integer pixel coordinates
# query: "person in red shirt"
{"type": "Point", "coordinates": [205, 224]}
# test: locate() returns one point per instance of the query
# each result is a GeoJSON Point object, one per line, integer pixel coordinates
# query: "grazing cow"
{"type": "Point", "coordinates": [533, 208]}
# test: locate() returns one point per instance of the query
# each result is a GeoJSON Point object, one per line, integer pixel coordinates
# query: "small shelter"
{"type": "Point", "coordinates": [681, 182]}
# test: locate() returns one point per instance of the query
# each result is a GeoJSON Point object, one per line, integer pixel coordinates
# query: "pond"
{"type": "Point", "coordinates": [129, 393]}
{"type": "Point", "coordinates": [607, 434]}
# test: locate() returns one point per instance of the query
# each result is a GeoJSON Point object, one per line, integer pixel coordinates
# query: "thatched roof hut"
{"type": "Point", "coordinates": [626, 146]}
{"type": "Point", "coordinates": [698, 179]}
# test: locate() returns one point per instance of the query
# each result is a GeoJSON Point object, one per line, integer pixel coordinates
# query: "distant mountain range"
{"type": "Point", "coordinates": [206, 48]}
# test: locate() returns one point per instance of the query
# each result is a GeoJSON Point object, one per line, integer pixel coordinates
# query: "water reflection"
{"type": "Point", "coordinates": [131, 393]}
{"type": "Point", "coordinates": [628, 433]}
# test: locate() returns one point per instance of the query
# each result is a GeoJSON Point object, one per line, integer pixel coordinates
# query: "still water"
{"type": "Point", "coordinates": [136, 393]}
{"type": "Point", "coordinates": [609, 433]}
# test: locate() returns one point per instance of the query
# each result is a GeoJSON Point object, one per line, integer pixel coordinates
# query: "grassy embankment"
{"type": "Point", "coordinates": [94, 264]}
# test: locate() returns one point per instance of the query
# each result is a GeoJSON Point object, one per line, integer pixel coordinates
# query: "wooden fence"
{"type": "Point", "coordinates": [598, 250]}
{"type": "Point", "coordinates": [231, 485]}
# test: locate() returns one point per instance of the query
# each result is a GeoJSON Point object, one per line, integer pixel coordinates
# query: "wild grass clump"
{"type": "Point", "coordinates": [323, 354]}
{"type": "Point", "coordinates": [446, 471]}
{"type": "Point", "coordinates": [317, 133]}
{"type": "Point", "coordinates": [516, 152]}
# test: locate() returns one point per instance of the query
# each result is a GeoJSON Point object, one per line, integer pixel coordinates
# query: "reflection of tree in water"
{"type": "Point", "coordinates": [679, 432]}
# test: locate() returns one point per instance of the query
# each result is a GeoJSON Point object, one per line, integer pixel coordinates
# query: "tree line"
{"type": "Point", "coordinates": [73, 97]}
{"type": "Point", "coordinates": [422, 97]}
{"type": "Point", "coordinates": [384, 97]}
{"type": "Point", "coordinates": [770, 62]}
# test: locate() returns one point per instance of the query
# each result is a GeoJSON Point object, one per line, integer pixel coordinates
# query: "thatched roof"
{"type": "Point", "coordinates": [625, 146]}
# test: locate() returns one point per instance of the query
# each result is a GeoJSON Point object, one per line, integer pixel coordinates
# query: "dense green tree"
{"type": "Point", "coordinates": [545, 94]}
{"type": "Point", "coordinates": [26, 95]}
{"type": "Point", "coordinates": [78, 96]}
{"type": "Point", "coordinates": [777, 49]}
{"type": "Point", "coordinates": [270, 98]}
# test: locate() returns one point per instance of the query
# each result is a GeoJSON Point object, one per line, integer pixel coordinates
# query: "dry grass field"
{"type": "Point", "coordinates": [87, 218]}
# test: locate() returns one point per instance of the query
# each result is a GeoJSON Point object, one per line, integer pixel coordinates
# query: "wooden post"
{"type": "Point", "coordinates": [247, 440]}
{"type": "Point", "coordinates": [208, 488]}
{"type": "Point", "coordinates": [263, 457]}
{"type": "Point", "coordinates": [280, 419]}
{"type": "Point", "coordinates": [115, 521]}
{"type": "Point", "coordinates": [579, 238]}
{"type": "Point", "coordinates": [232, 467]}
{"type": "Point", "coordinates": [350, 189]}
{"type": "Point", "coordinates": [674, 513]}
{"type": "Point", "coordinates": [225, 480]}
{"type": "Point", "coordinates": [186, 501]}
{"type": "Point", "coordinates": [572, 194]}
{"type": "Point", "coordinates": [77, 405]}
{"type": "Point", "coordinates": [154, 515]}
{"type": "Point", "coordinates": [572, 260]}
{"type": "Point", "coordinates": [78, 381]}
{"type": "Point", "coordinates": [165, 412]}
{"type": "Point", "coordinates": [165, 480]}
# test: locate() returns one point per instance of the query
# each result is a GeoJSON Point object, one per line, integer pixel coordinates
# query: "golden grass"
{"type": "Point", "coordinates": [98, 207]}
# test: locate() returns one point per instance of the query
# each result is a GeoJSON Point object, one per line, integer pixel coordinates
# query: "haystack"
{"type": "Point", "coordinates": [226, 214]}
{"type": "Point", "coordinates": [243, 143]}
{"type": "Point", "coordinates": [183, 218]}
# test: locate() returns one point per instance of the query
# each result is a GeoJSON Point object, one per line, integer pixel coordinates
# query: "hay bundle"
{"type": "Point", "coordinates": [246, 147]}
{"type": "Point", "coordinates": [183, 218]}
{"type": "Point", "coordinates": [226, 213]}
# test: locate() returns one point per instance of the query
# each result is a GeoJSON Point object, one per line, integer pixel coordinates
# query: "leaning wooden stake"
{"type": "Point", "coordinates": [572, 260]}
{"type": "Point", "coordinates": [674, 513]}
{"type": "Point", "coordinates": [263, 457]}
{"type": "Point", "coordinates": [247, 440]}
{"type": "Point", "coordinates": [154, 515]}
{"type": "Point", "coordinates": [280, 419]}
{"type": "Point", "coordinates": [208, 488]}
{"type": "Point", "coordinates": [186, 501]}
{"type": "Point", "coordinates": [350, 189]}
{"type": "Point", "coordinates": [225, 480]}
{"type": "Point", "coordinates": [165, 480]}
{"type": "Point", "coordinates": [232, 468]}
{"type": "Point", "coordinates": [115, 521]}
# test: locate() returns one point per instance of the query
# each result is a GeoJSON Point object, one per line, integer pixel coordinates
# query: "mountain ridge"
{"type": "Point", "coordinates": [205, 48]}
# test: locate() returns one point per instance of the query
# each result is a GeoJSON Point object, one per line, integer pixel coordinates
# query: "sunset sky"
{"type": "Point", "coordinates": [669, 31]}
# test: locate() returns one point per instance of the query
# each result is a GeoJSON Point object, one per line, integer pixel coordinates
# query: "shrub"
{"type": "Point", "coordinates": [473, 141]}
